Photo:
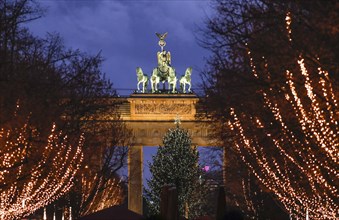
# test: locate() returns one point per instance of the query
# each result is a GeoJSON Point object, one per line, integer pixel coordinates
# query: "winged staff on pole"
{"type": "Point", "coordinates": [162, 42]}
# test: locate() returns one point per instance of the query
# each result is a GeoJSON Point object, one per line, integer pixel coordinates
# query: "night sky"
{"type": "Point", "coordinates": [124, 32]}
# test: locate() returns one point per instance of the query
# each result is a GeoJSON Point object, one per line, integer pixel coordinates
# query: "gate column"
{"type": "Point", "coordinates": [135, 165]}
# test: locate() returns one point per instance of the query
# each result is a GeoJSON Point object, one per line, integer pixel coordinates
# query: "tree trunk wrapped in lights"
{"type": "Point", "coordinates": [99, 186]}
{"type": "Point", "coordinates": [298, 166]}
{"type": "Point", "coordinates": [107, 193]}
{"type": "Point", "coordinates": [32, 176]}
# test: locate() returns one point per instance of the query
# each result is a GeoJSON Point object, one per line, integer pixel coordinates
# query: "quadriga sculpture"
{"type": "Point", "coordinates": [186, 79]}
{"type": "Point", "coordinates": [164, 72]}
{"type": "Point", "coordinates": [155, 79]}
{"type": "Point", "coordinates": [142, 79]}
{"type": "Point", "coordinates": [172, 80]}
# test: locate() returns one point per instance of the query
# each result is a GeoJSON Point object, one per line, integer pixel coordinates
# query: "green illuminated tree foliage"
{"type": "Point", "coordinates": [176, 164]}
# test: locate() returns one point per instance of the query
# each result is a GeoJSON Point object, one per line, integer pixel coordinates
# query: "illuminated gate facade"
{"type": "Point", "coordinates": [149, 116]}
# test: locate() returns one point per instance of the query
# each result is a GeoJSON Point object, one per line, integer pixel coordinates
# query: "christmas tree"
{"type": "Point", "coordinates": [176, 164]}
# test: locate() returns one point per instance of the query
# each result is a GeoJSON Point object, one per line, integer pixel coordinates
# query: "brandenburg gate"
{"type": "Point", "coordinates": [149, 116]}
{"type": "Point", "coordinates": [150, 113]}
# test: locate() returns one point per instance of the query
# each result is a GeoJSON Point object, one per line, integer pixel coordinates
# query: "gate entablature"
{"type": "Point", "coordinates": [149, 117]}
{"type": "Point", "coordinates": [162, 107]}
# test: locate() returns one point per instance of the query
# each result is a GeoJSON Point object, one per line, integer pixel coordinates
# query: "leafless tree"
{"type": "Point", "coordinates": [254, 43]}
{"type": "Point", "coordinates": [42, 80]}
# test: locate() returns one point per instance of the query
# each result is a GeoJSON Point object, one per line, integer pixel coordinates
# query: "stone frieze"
{"type": "Point", "coordinates": [163, 108]}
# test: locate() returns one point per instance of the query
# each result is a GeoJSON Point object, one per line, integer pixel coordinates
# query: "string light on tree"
{"type": "Point", "coordinates": [32, 177]}
{"type": "Point", "coordinates": [306, 174]}
{"type": "Point", "coordinates": [298, 159]}
{"type": "Point", "coordinates": [288, 20]}
{"type": "Point", "coordinates": [103, 193]}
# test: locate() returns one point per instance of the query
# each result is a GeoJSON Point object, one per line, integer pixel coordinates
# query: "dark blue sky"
{"type": "Point", "coordinates": [125, 33]}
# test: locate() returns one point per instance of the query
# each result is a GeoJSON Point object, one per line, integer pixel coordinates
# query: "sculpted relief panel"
{"type": "Point", "coordinates": [163, 108]}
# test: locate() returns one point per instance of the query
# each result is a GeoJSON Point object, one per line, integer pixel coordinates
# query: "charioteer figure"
{"type": "Point", "coordinates": [164, 71]}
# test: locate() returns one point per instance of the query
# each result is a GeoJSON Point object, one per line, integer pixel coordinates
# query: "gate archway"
{"type": "Point", "coordinates": [149, 116]}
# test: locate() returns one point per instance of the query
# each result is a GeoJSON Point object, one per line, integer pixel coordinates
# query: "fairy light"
{"type": "Point", "coordinates": [288, 20]}
{"type": "Point", "coordinates": [253, 67]}
{"type": "Point", "coordinates": [26, 188]}
{"type": "Point", "coordinates": [319, 128]}
{"type": "Point", "coordinates": [248, 193]}
{"type": "Point", "coordinates": [109, 194]}
{"type": "Point", "coordinates": [303, 175]}
{"type": "Point", "coordinates": [312, 156]}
